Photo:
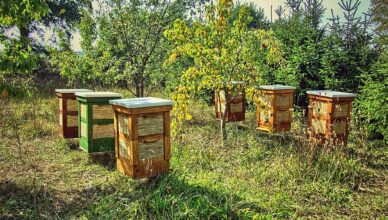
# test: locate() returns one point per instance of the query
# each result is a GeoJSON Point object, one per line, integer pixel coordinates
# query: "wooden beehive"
{"type": "Point", "coordinates": [329, 115]}
{"type": "Point", "coordinates": [142, 136]}
{"type": "Point", "coordinates": [68, 112]}
{"type": "Point", "coordinates": [95, 121]}
{"type": "Point", "coordinates": [274, 108]}
{"type": "Point", "coordinates": [236, 105]}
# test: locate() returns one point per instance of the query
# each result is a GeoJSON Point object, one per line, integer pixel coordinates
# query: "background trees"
{"type": "Point", "coordinates": [125, 45]}
{"type": "Point", "coordinates": [371, 104]}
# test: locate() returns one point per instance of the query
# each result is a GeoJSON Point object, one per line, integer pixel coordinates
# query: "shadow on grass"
{"type": "Point", "coordinates": [165, 197]}
{"type": "Point", "coordinates": [106, 159]}
{"type": "Point", "coordinates": [25, 202]}
{"type": "Point", "coordinates": [73, 143]}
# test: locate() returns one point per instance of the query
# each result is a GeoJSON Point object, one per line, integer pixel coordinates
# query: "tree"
{"type": "Point", "coordinates": [380, 17]}
{"type": "Point", "coordinates": [371, 102]}
{"type": "Point", "coordinates": [222, 53]}
{"type": "Point", "coordinates": [259, 21]}
{"type": "Point", "coordinates": [128, 45]}
{"type": "Point", "coordinates": [17, 55]}
{"type": "Point", "coordinates": [349, 52]}
{"type": "Point", "coordinates": [304, 47]}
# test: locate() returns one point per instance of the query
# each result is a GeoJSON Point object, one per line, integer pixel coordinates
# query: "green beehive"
{"type": "Point", "coordinates": [95, 121]}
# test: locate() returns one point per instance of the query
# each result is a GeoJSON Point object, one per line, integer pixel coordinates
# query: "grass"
{"type": "Point", "coordinates": [256, 176]}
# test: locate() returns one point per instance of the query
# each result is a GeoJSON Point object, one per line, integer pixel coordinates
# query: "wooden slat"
{"type": "Point", "coordinates": [166, 135]}
{"type": "Point", "coordinates": [150, 124]}
{"type": "Point", "coordinates": [102, 112]}
{"type": "Point", "coordinates": [71, 105]}
{"type": "Point", "coordinates": [102, 131]}
{"type": "Point", "coordinates": [116, 134]}
{"type": "Point", "coordinates": [134, 142]}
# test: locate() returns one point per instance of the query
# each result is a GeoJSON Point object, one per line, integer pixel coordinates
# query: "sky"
{"type": "Point", "coordinates": [266, 5]}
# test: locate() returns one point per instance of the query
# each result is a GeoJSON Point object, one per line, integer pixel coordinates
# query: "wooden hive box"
{"type": "Point", "coordinates": [274, 108]}
{"type": "Point", "coordinates": [142, 136]}
{"type": "Point", "coordinates": [329, 115]}
{"type": "Point", "coordinates": [236, 105]}
{"type": "Point", "coordinates": [95, 121]}
{"type": "Point", "coordinates": [68, 112]}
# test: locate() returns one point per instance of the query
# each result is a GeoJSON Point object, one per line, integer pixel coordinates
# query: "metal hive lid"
{"type": "Point", "coordinates": [141, 102]}
{"type": "Point", "coordinates": [330, 93]}
{"type": "Point", "coordinates": [98, 94]}
{"type": "Point", "coordinates": [276, 87]}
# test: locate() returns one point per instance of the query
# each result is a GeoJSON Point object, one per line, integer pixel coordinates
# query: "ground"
{"type": "Point", "coordinates": [255, 175]}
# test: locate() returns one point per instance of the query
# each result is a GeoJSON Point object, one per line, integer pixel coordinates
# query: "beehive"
{"type": "Point", "coordinates": [329, 115]}
{"type": "Point", "coordinates": [274, 108]}
{"type": "Point", "coordinates": [95, 121]}
{"type": "Point", "coordinates": [236, 105]}
{"type": "Point", "coordinates": [68, 112]}
{"type": "Point", "coordinates": [142, 136]}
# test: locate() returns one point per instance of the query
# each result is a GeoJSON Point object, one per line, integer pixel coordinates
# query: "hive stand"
{"type": "Point", "coordinates": [142, 136]}
{"type": "Point", "coordinates": [329, 116]}
{"type": "Point", "coordinates": [68, 112]}
{"type": "Point", "coordinates": [274, 109]}
{"type": "Point", "coordinates": [95, 121]}
{"type": "Point", "coordinates": [236, 107]}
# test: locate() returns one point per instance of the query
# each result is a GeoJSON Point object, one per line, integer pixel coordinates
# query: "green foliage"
{"type": "Point", "coordinates": [317, 57]}
{"type": "Point", "coordinates": [20, 13]}
{"type": "Point", "coordinates": [379, 16]}
{"type": "Point", "coordinates": [125, 44]}
{"type": "Point", "coordinates": [258, 21]}
{"type": "Point", "coordinates": [371, 103]}
{"type": "Point", "coordinates": [222, 53]}
{"type": "Point", "coordinates": [372, 100]}
{"type": "Point", "coordinates": [303, 49]}
{"type": "Point", "coordinates": [17, 56]}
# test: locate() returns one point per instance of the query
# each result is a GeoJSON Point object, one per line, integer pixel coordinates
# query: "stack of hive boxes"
{"type": "Point", "coordinates": [142, 131]}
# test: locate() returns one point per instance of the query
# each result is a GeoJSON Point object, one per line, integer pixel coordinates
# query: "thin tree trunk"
{"type": "Point", "coordinates": [223, 119]}
{"type": "Point", "coordinates": [137, 88]}
{"type": "Point", "coordinates": [142, 88]}
{"type": "Point", "coordinates": [24, 32]}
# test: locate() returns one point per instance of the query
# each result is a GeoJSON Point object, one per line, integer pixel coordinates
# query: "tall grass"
{"type": "Point", "coordinates": [256, 175]}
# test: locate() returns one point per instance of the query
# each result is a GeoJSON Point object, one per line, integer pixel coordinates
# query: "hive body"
{"type": "Point", "coordinates": [95, 121]}
{"type": "Point", "coordinates": [236, 107]}
{"type": "Point", "coordinates": [274, 109]}
{"type": "Point", "coordinates": [329, 116]}
{"type": "Point", "coordinates": [68, 112]}
{"type": "Point", "coordinates": [142, 136]}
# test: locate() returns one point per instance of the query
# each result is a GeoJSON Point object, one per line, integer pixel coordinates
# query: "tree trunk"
{"type": "Point", "coordinates": [223, 120]}
{"type": "Point", "coordinates": [142, 88]}
{"type": "Point", "coordinates": [137, 89]}
{"type": "Point", "coordinates": [223, 129]}
{"type": "Point", "coordinates": [24, 32]}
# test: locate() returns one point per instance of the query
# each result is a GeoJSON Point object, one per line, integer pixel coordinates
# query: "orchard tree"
{"type": "Point", "coordinates": [222, 52]}
{"type": "Point", "coordinates": [130, 47]}
{"type": "Point", "coordinates": [15, 16]}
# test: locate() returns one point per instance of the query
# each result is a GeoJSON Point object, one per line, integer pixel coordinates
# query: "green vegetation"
{"type": "Point", "coordinates": [258, 176]}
